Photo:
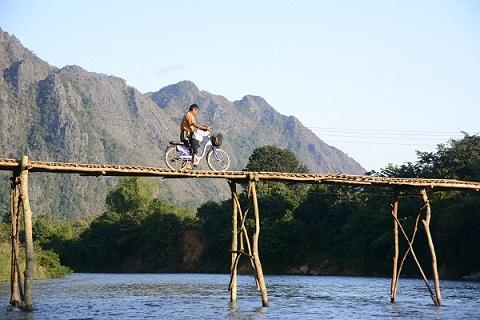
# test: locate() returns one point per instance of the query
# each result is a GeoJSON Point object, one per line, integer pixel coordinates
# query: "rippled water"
{"type": "Point", "coordinates": [205, 296]}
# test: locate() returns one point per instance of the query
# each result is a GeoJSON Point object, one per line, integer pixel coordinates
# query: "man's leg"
{"type": "Point", "coordinates": [185, 138]}
{"type": "Point", "coordinates": [195, 146]}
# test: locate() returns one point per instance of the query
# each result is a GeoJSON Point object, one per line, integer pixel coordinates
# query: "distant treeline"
{"type": "Point", "coordinates": [305, 229]}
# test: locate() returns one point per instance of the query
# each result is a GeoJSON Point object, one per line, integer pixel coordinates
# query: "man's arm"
{"type": "Point", "coordinates": [202, 126]}
{"type": "Point", "coordinates": [193, 123]}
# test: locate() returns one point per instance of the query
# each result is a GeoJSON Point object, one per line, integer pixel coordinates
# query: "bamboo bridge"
{"type": "Point", "coordinates": [242, 244]}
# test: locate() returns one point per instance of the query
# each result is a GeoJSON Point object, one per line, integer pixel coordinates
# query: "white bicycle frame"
{"type": "Point", "coordinates": [186, 156]}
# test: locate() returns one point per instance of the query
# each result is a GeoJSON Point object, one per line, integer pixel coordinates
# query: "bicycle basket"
{"type": "Point", "coordinates": [217, 140]}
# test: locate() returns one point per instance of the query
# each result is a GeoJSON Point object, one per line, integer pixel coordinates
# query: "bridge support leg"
{"type": "Point", "coordinates": [234, 263]}
{"type": "Point", "coordinates": [29, 252]}
{"type": "Point", "coordinates": [436, 298]}
{"type": "Point", "coordinates": [393, 287]}
{"type": "Point", "coordinates": [21, 294]}
{"type": "Point", "coordinates": [255, 252]}
{"type": "Point", "coordinates": [241, 242]}
{"type": "Point", "coordinates": [16, 297]}
{"type": "Point", "coordinates": [426, 224]}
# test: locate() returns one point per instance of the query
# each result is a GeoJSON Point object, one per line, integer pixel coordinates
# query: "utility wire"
{"type": "Point", "coordinates": [388, 137]}
{"type": "Point", "coordinates": [359, 136]}
{"type": "Point", "coordinates": [382, 143]}
{"type": "Point", "coordinates": [381, 136]}
{"type": "Point", "coordinates": [381, 130]}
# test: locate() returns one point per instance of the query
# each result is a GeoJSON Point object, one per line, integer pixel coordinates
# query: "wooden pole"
{"type": "Point", "coordinates": [234, 262]}
{"type": "Point", "coordinates": [17, 243]}
{"type": "Point", "coordinates": [410, 244]}
{"type": "Point", "coordinates": [393, 286]}
{"type": "Point", "coordinates": [243, 229]}
{"type": "Point", "coordinates": [426, 224]}
{"type": "Point", "coordinates": [244, 237]}
{"type": "Point", "coordinates": [15, 298]}
{"type": "Point", "coordinates": [407, 251]}
{"type": "Point", "coordinates": [256, 254]}
{"type": "Point", "coordinates": [29, 252]}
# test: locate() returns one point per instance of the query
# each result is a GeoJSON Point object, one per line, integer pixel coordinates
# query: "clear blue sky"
{"type": "Point", "coordinates": [376, 79]}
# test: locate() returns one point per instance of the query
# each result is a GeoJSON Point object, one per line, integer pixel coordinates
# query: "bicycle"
{"type": "Point", "coordinates": [177, 155]}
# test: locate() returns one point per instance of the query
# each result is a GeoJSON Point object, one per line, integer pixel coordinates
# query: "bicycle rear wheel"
{"type": "Point", "coordinates": [173, 160]}
{"type": "Point", "coordinates": [218, 160]}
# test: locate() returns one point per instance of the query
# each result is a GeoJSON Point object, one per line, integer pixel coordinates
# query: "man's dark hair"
{"type": "Point", "coordinates": [193, 106]}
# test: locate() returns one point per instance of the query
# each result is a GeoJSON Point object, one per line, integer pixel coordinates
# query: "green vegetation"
{"type": "Point", "coordinates": [47, 262]}
{"type": "Point", "coordinates": [5, 249]}
{"type": "Point", "coordinates": [315, 229]}
{"type": "Point", "coordinates": [136, 233]}
{"type": "Point", "coordinates": [274, 159]}
{"type": "Point", "coordinates": [347, 230]}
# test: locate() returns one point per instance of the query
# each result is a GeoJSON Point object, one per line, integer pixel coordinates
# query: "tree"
{"type": "Point", "coordinates": [215, 223]}
{"type": "Point", "coordinates": [274, 159]}
{"type": "Point", "coordinates": [277, 201]}
{"type": "Point", "coordinates": [407, 170]}
{"type": "Point", "coordinates": [132, 195]}
{"type": "Point", "coordinates": [459, 159]}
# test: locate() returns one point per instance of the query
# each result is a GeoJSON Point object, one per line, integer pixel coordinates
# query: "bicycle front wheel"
{"type": "Point", "coordinates": [218, 160]}
{"type": "Point", "coordinates": [173, 160]}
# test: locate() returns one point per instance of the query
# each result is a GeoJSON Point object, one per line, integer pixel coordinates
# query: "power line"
{"type": "Point", "coordinates": [332, 129]}
{"type": "Point", "coordinates": [388, 137]}
{"type": "Point", "coordinates": [382, 143]}
{"type": "Point", "coordinates": [398, 137]}
{"type": "Point", "coordinates": [385, 136]}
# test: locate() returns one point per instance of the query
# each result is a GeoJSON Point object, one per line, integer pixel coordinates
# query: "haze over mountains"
{"type": "Point", "coordinates": [70, 114]}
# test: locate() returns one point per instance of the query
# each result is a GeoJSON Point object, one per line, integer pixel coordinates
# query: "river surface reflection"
{"type": "Point", "coordinates": [205, 296]}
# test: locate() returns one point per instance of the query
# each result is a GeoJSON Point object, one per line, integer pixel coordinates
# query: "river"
{"type": "Point", "coordinates": [205, 296]}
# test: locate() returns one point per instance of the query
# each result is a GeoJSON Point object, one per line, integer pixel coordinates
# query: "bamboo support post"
{"type": "Point", "coordinates": [407, 251]}
{"type": "Point", "coordinates": [393, 286]}
{"type": "Point", "coordinates": [255, 252]}
{"type": "Point", "coordinates": [16, 297]}
{"type": "Point", "coordinates": [234, 263]}
{"type": "Point", "coordinates": [244, 236]}
{"type": "Point", "coordinates": [243, 220]}
{"type": "Point", "coordinates": [29, 252]}
{"type": "Point", "coordinates": [243, 241]}
{"type": "Point", "coordinates": [398, 270]}
{"type": "Point", "coordinates": [17, 244]}
{"type": "Point", "coordinates": [410, 244]}
{"type": "Point", "coordinates": [426, 224]}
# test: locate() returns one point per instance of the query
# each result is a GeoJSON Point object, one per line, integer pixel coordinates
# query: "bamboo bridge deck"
{"type": "Point", "coordinates": [242, 243]}
{"type": "Point", "coordinates": [89, 169]}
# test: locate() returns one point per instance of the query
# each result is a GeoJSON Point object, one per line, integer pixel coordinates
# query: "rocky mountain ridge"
{"type": "Point", "coordinates": [70, 114]}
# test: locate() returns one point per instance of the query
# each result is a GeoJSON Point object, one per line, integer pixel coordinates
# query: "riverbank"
{"type": "Point", "coordinates": [47, 262]}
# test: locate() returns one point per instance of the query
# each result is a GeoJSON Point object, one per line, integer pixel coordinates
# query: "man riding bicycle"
{"type": "Point", "coordinates": [187, 128]}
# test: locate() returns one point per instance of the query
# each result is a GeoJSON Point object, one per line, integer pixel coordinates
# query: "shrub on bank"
{"type": "Point", "coordinates": [47, 262]}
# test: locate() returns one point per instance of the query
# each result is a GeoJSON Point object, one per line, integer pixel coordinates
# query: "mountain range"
{"type": "Point", "coordinates": [71, 115]}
